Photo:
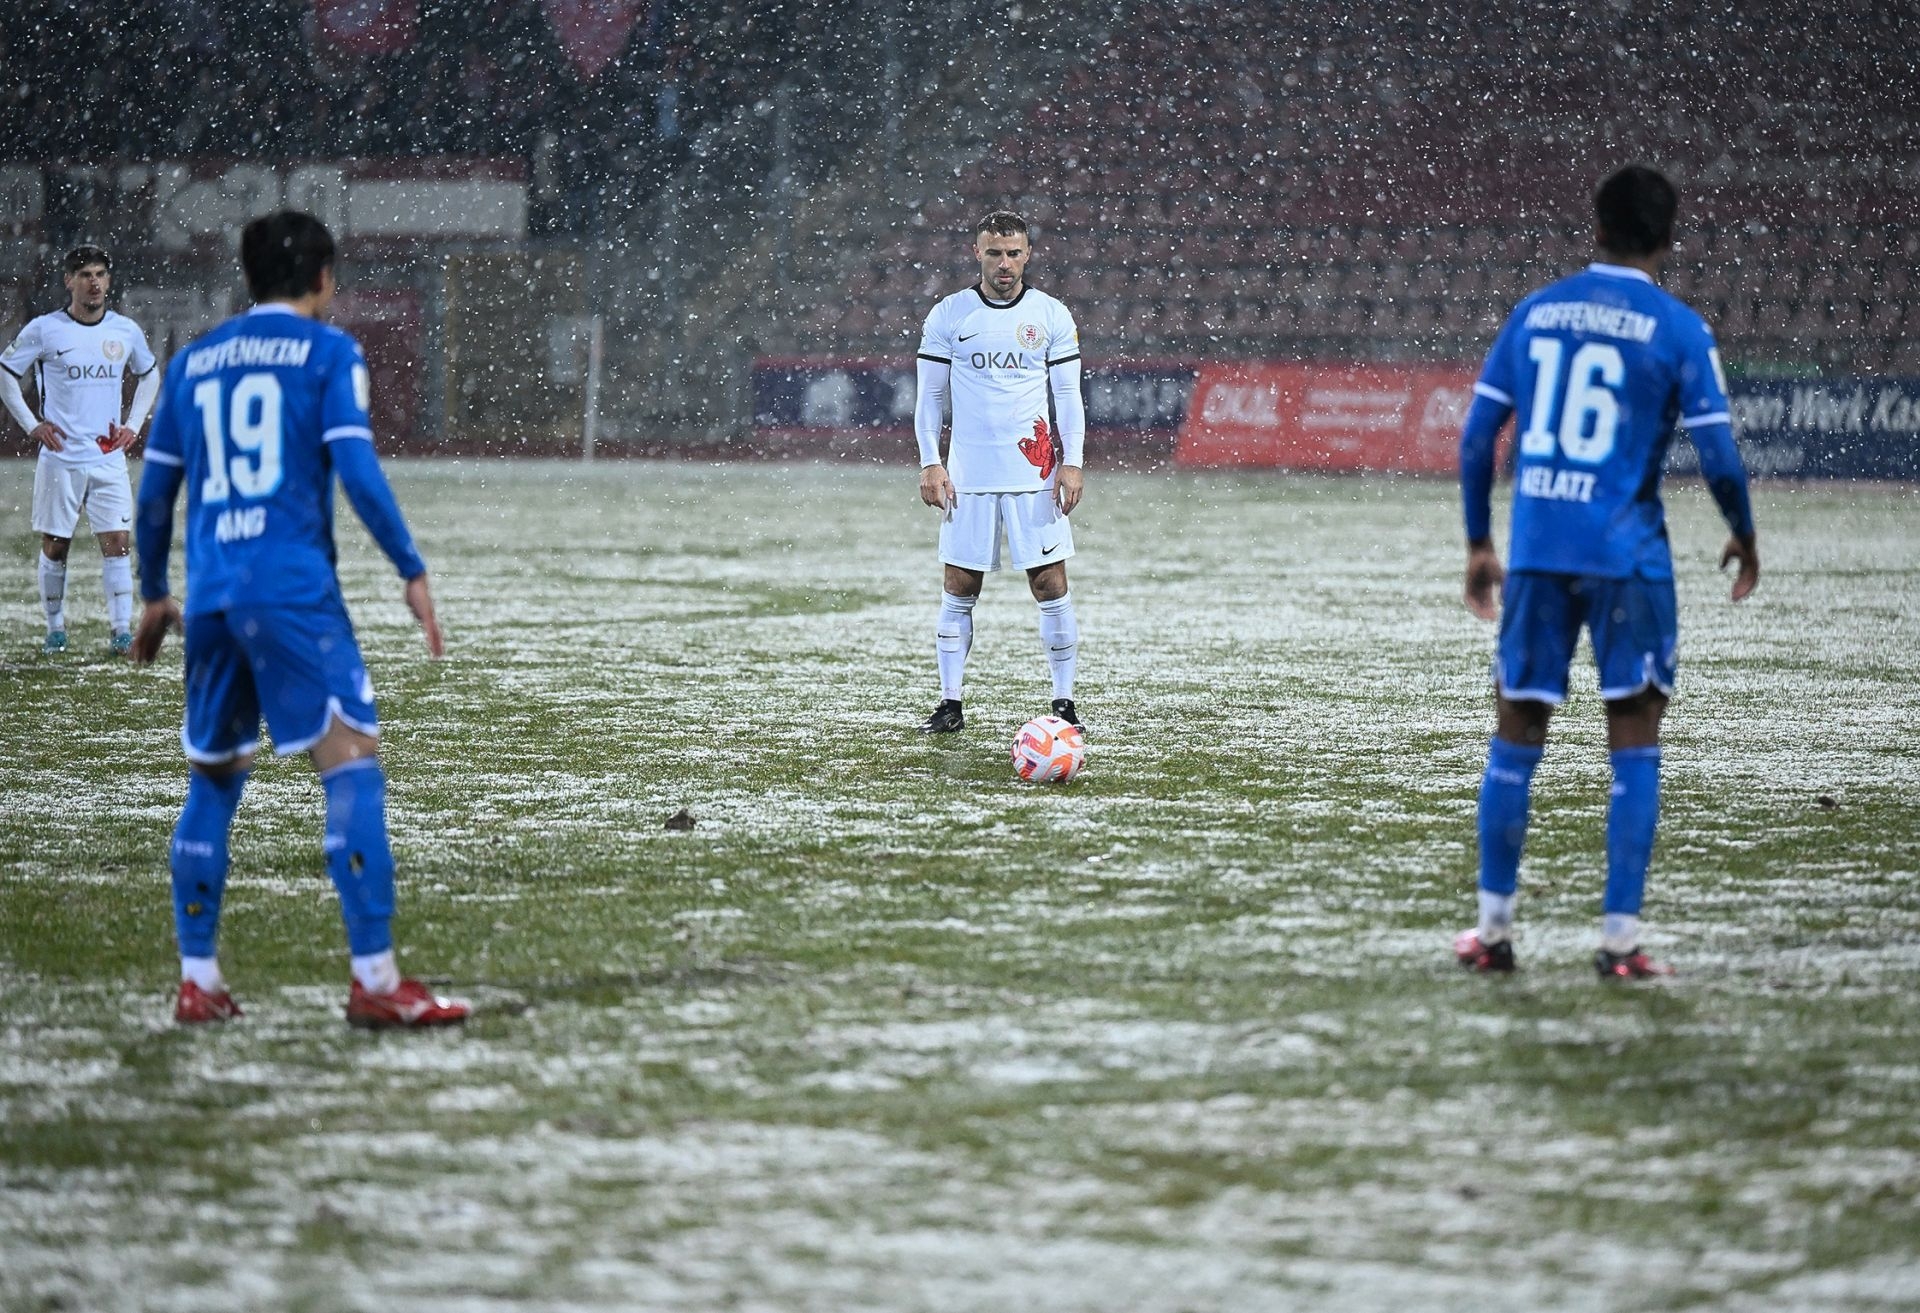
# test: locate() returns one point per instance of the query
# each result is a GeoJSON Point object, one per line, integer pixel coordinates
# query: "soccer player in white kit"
{"type": "Point", "coordinates": [994, 355]}
{"type": "Point", "coordinates": [77, 358]}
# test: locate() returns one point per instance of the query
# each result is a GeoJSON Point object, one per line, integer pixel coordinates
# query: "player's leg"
{"type": "Point", "coordinates": [56, 511]}
{"type": "Point", "coordinates": [220, 736]}
{"type": "Point", "coordinates": [969, 548]}
{"type": "Point", "coordinates": [1635, 645]}
{"type": "Point", "coordinates": [318, 699]}
{"type": "Point", "coordinates": [1539, 624]}
{"type": "Point", "coordinates": [109, 500]}
{"type": "Point", "coordinates": [1040, 539]}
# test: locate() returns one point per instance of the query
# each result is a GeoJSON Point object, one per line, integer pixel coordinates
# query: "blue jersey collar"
{"type": "Point", "coordinates": [1618, 271]}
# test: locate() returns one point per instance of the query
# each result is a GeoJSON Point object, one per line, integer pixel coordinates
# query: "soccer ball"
{"type": "Point", "coordinates": [1049, 748]}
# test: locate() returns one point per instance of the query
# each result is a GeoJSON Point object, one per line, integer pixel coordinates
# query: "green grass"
{"type": "Point", "coordinates": [889, 1030]}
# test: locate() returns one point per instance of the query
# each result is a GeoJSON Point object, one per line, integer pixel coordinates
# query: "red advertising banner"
{"type": "Point", "coordinates": [389, 329]}
{"type": "Point", "coordinates": [367, 27]}
{"type": "Point", "coordinates": [1400, 418]}
{"type": "Point", "coordinates": [594, 32]}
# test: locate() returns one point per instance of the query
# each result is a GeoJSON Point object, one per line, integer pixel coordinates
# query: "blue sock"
{"type": "Point", "coordinates": [1503, 813]}
{"type": "Point", "coordinates": [1633, 813]}
{"type": "Point", "coordinates": [358, 857]}
{"type": "Point", "coordinates": [199, 858]}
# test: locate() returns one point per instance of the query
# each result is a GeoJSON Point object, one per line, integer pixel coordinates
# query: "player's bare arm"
{"type": "Point", "coordinates": [420, 602]}
{"type": "Point", "coordinates": [936, 489]}
{"type": "Point", "coordinates": [1747, 552]}
{"type": "Point", "coordinates": [1066, 491]}
{"type": "Point", "coordinates": [1484, 577]}
{"type": "Point", "coordinates": [156, 618]}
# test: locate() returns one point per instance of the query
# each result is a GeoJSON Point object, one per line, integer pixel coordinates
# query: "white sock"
{"type": "Point", "coordinates": [1619, 933]}
{"type": "Point", "coordinates": [952, 640]}
{"type": "Point", "coordinates": [1061, 634]}
{"type": "Point", "coordinates": [53, 593]}
{"type": "Point", "coordinates": [204, 972]}
{"type": "Point", "coordinates": [378, 973]}
{"type": "Point", "coordinates": [116, 576]}
{"type": "Point", "coordinates": [1496, 917]}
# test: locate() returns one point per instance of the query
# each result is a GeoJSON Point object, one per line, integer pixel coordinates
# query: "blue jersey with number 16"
{"type": "Point", "coordinates": [1597, 369]}
{"type": "Point", "coordinates": [249, 414]}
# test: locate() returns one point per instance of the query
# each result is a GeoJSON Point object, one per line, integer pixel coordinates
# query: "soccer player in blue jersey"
{"type": "Point", "coordinates": [1599, 368]}
{"type": "Point", "coordinates": [258, 418]}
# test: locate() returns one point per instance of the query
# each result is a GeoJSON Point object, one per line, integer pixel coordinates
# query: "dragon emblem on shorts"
{"type": "Point", "coordinates": [1038, 449]}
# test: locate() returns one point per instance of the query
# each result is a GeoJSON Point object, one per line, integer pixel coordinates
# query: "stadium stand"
{"type": "Point", "coordinates": [1383, 181]}
{"type": "Point", "coordinates": [1213, 180]}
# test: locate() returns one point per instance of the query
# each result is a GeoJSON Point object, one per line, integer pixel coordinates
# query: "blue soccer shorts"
{"type": "Point", "coordinates": [298, 666]}
{"type": "Point", "coordinates": [1634, 624]}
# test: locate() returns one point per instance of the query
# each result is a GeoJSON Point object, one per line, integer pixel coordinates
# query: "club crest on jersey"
{"type": "Point", "coordinates": [1027, 335]}
{"type": "Point", "coordinates": [113, 348]}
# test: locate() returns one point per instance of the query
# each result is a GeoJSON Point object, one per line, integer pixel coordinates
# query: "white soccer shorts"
{"type": "Point", "coordinates": [1036, 532]}
{"type": "Point", "coordinates": [100, 488]}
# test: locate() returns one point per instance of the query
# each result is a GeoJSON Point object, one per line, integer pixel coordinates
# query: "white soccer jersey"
{"type": "Point", "coordinates": [78, 368]}
{"type": "Point", "coordinates": [1001, 356]}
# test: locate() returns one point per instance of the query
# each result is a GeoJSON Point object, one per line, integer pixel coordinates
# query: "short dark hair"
{"type": "Point", "coordinates": [283, 254]}
{"type": "Point", "coordinates": [1002, 223]}
{"type": "Point", "coordinates": [1634, 208]}
{"type": "Point", "coordinates": [85, 254]}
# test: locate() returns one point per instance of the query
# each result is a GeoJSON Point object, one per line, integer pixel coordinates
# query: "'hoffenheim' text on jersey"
{"type": "Point", "coordinates": [249, 412]}
{"type": "Point", "coordinates": [1598, 368]}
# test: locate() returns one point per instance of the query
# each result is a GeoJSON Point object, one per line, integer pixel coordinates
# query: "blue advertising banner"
{"type": "Point", "coordinates": [1823, 428]}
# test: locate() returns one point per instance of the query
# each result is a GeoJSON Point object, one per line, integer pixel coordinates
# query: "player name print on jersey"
{"type": "Point", "coordinates": [1556, 485]}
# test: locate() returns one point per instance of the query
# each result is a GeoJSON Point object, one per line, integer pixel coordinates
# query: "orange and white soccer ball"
{"type": "Point", "coordinates": [1049, 748]}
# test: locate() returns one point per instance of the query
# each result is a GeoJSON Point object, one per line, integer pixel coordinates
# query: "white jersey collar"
{"type": "Point", "coordinates": [1618, 271]}
{"type": "Point", "coordinates": [992, 304]}
{"type": "Point", "coordinates": [272, 308]}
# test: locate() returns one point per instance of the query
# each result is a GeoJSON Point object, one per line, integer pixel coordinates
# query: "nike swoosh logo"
{"type": "Point", "coordinates": [58, 354]}
{"type": "Point", "coordinates": [964, 337]}
{"type": "Point", "coordinates": [1049, 551]}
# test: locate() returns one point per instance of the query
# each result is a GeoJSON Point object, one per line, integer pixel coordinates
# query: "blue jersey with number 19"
{"type": "Point", "coordinates": [250, 414]}
{"type": "Point", "coordinates": [1597, 369]}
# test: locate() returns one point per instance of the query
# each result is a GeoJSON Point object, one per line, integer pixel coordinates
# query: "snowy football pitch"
{"type": "Point", "coordinates": [889, 1031]}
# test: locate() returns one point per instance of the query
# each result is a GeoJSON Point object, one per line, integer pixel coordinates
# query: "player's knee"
{"type": "Point", "coordinates": [54, 549]}
{"type": "Point", "coordinates": [223, 770]}
{"type": "Point", "coordinates": [1524, 723]}
{"type": "Point", "coordinates": [960, 582]}
{"type": "Point", "coordinates": [1634, 722]}
{"type": "Point", "coordinates": [115, 544]}
{"type": "Point", "coordinates": [1048, 582]}
{"type": "Point", "coordinates": [343, 744]}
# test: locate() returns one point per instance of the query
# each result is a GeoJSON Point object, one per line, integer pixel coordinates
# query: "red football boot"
{"type": "Point", "coordinates": [1634, 965]}
{"type": "Point", "coordinates": [1470, 953]}
{"type": "Point", "coordinates": [195, 1005]}
{"type": "Point", "coordinates": [409, 1006]}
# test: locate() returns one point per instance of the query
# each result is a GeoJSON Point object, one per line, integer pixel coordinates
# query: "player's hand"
{"type": "Point", "coordinates": [1484, 577]}
{"type": "Point", "coordinates": [48, 435]}
{"type": "Point", "coordinates": [156, 618]}
{"type": "Point", "coordinates": [420, 602]}
{"type": "Point", "coordinates": [1066, 492]}
{"type": "Point", "coordinates": [936, 489]}
{"type": "Point", "coordinates": [119, 438]}
{"type": "Point", "coordinates": [1748, 554]}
